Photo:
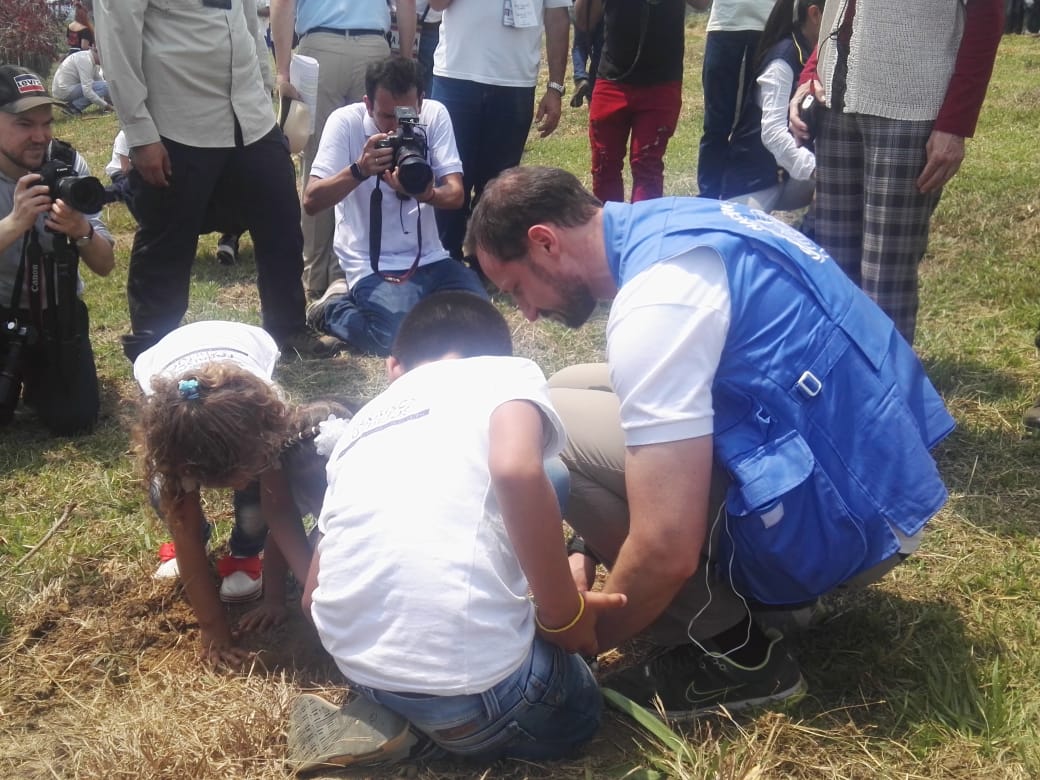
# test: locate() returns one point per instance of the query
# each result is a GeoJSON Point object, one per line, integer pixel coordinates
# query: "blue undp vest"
{"type": "Point", "coordinates": [824, 416]}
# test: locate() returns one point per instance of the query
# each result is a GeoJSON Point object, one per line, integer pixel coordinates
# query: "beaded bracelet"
{"type": "Point", "coordinates": [569, 626]}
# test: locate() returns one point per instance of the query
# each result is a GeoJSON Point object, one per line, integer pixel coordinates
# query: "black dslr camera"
{"type": "Point", "coordinates": [410, 146]}
{"type": "Point", "coordinates": [84, 193]}
{"type": "Point", "coordinates": [14, 337]}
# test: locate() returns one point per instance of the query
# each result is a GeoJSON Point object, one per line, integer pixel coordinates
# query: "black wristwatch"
{"type": "Point", "coordinates": [355, 171]}
{"type": "Point", "coordinates": [84, 240]}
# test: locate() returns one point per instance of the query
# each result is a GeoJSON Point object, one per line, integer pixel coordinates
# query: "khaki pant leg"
{"type": "Point", "coordinates": [342, 62]}
{"type": "Point", "coordinates": [598, 503]}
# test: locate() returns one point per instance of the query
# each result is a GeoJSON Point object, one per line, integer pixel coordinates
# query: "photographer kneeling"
{"type": "Point", "coordinates": [385, 164]}
{"type": "Point", "coordinates": [45, 188]}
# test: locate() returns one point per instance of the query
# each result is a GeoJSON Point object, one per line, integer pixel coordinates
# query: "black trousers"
{"type": "Point", "coordinates": [63, 390]}
{"type": "Point", "coordinates": [258, 182]}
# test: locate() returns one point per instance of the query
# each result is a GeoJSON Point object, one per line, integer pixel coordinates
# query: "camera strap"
{"type": "Point", "coordinates": [51, 279]}
{"type": "Point", "coordinates": [33, 262]}
{"type": "Point", "coordinates": [375, 238]}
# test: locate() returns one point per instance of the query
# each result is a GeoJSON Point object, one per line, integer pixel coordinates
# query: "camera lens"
{"type": "Point", "coordinates": [83, 193]}
{"type": "Point", "coordinates": [414, 173]}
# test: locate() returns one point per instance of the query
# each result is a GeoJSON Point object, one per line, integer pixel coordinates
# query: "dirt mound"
{"type": "Point", "coordinates": [102, 679]}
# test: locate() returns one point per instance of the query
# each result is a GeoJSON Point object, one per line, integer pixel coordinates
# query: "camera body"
{"type": "Point", "coordinates": [808, 110]}
{"type": "Point", "coordinates": [85, 194]}
{"type": "Point", "coordinates": [410, 149]}
{"type": "Point", "coordinates": [14, 337]}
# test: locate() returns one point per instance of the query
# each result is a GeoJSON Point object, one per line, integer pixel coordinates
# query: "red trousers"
{"type": "Point", "coordinates": [647, 112]}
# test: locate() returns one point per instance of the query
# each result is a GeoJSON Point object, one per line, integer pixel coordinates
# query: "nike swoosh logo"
{"type": "Point", "coordinates": [695, 696]}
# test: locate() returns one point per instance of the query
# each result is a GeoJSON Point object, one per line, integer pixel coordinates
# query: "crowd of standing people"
{"type": "Point", "coordinates": [710, 465]}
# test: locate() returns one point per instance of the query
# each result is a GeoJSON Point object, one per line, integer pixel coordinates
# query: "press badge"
{"type": "Point", "coordinates": [519, 13]}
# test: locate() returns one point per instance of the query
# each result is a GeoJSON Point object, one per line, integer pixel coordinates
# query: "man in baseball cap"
{"type": "Point", "coordinates": [40, 231]}
{"type": "Point", "coordinates": [21, 89]}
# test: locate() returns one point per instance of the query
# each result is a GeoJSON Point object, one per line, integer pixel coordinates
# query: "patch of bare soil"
{"type": "Point", "coordinates": [102, 679]}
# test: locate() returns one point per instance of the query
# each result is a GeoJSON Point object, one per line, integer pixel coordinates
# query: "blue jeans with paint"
{"type": "Point", "coordinates": [368, 317]}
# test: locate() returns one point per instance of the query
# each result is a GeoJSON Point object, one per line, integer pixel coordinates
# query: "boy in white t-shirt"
{"type": "Point", "coordinates": [438, 521]}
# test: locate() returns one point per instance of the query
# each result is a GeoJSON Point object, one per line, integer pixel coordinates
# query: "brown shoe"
{"type": "Point", "coordinates": [307, 344]}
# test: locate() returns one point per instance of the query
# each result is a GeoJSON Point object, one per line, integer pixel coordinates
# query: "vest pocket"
{"type": "Point", "coordinates": [788, 535]}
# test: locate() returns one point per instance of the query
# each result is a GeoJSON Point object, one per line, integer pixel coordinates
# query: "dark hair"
{"type": "Point", "coordinates": [453, 322]}
{"type": "Point", "coordinates": [304, 467]}
{"type": "Point", "coordinates": [783, 19]}
{"type": "Point", "coordinates": [396, 75]}
{"type": "Point", "coordinates": [521, 197]}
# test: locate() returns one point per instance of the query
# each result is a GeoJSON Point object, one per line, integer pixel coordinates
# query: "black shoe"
{"type": "Point", "coordinates": [582, 91]}
{"type": "Point", "coordinates": [1031, 419]}
{"type": "Point", "coordinates": [689, 682]}
{"type": "Point", "coordinates": [227, 249]}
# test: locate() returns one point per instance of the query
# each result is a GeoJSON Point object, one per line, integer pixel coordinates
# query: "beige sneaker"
{"type": "Point", "coordinates": [361, 731]}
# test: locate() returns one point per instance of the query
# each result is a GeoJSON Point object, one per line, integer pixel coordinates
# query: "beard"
{"type": "Point", "coordinates": [28, 159]}
{"type": "Point", "coordinates": [577, 304]}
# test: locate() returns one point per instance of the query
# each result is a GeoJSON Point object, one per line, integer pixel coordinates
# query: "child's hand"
{"type": "Point", "coordinates": [581, 637]}
{"type": "Point", "coordinates": [220, 650]}
{"type": "Point", "coordinates": [263, 617]}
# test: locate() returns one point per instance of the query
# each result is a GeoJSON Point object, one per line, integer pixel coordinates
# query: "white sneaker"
{"type": "Point", "coordinates": [239, 586]}
{"type": "Point", "coordinates": [168, 568]}
{"type": "Point", "coordinates": [243, 578]}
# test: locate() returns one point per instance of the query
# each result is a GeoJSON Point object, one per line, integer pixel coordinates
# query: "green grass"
{"type": "Point", "coordinates": [935, 672]}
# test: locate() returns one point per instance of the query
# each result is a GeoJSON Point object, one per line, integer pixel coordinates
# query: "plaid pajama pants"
{"type": "Point", "coordinates": [870, 216]}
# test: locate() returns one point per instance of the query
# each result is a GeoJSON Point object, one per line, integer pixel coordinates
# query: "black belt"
{"type": "Point", "coordinates": [430, 25]}
{"type": "Point", "coordinates": [339, 31]}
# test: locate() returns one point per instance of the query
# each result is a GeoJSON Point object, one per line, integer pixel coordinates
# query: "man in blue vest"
{"type": "Point", "coordinates": [759, 437]}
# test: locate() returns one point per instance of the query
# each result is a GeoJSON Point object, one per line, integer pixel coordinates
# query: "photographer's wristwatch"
{"type": "Point", "coordinates": [558, 87]}
{"type": "Point", "coordinates": [84, 240]}
{"type": "Point", "coordinates": [355, 171]}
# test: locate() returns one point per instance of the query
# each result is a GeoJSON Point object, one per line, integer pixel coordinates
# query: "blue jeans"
{"type": "Point", "coordinates": [546, 709]}
{"type": "Point", "coordinates": [726, 77]}
{"type": "Point", "coordinates": [249, 532]}
{"type": "Point", "coordinates": [491, 124]}
{"type": "Point", "coordinates": [369, 316]}
{"type": "Point", "coordinates": [585, 52]}
{"type": "Point", "coordinates": [76, 100]}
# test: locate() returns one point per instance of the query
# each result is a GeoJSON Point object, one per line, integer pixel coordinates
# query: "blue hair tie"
{"type": "Point", "coordinates": [189, 389]}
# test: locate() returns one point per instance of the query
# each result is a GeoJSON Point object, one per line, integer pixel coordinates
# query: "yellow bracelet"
{"type": "Point", "coordinates": [569, 626]}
